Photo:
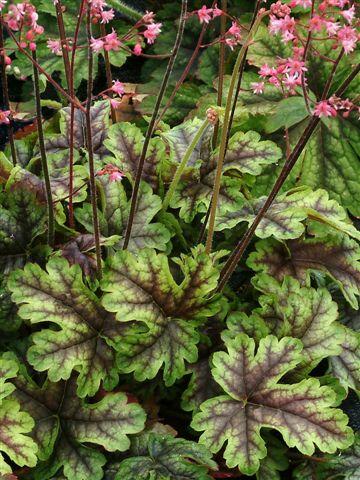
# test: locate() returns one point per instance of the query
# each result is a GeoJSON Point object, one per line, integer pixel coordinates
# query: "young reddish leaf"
{"type": "Point", "coordinates": [254, 399]}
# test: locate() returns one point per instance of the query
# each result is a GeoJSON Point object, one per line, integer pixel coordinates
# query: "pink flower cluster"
{"type": "Point", "coordinates": [101, 12]}
{"type": "Point", "coordinates": [325, 20]}
{"type": "Point", "coordinates": [2, 4]}
{"type": "Point", "coordinates": [233, 35]}
{"type": "Point", "coordinates": [23, 17]}
{"type": "Point", "coordinates": [287, 75]}
{"type": "Point", "coordinates": [331, 107]}
{"type": "Point", "coordinates": [112, 41]}
{"type": "Point", "coordinates": [206, 14]}
{"type": "Point", "coordinates": [108, 43]}
{"type": "Point", "coordinates": [115, 174]}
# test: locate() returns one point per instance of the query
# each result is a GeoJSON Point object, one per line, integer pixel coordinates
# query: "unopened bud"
{"type": "Point", "coordinates": [212, 115]}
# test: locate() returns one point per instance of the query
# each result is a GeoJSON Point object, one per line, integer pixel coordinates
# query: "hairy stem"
{"type": "Point", "coordinates": [126, 10]}
{"type": "Point", "coordinates": [5, 89]}
{"type": "Point", "coordinates": [44, 165]}
{"type": "Point", "coordinates": [89, 145]}
{"type": "Point", "coordinates": [63, 40]}
{"type": "Point", "coordinates": [72, 115]}
{"type": "Point", "coordinates": [150, 129]}
{"type": "Point", "coordinates": [224, 133]}
{"type": "Point", "coordinates": [109, 80]}
{"type": "Point", "coordinates": [239, 250]}
{"type": "Point", "coordinates": [183, 163]}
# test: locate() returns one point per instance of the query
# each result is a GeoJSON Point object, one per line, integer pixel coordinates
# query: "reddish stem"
{"type": "Point", "coordinates": [72, 116]}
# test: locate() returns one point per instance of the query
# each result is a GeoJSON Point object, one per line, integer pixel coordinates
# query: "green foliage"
{"type": "Point", "coordinates": [335, 256]}
{"type": "Point", "coordinates": [150, 371]}
{"type": "Point", "coordinates": [14, 423]}
{"type": "Point", "coordinates": [246, 154]}
{"type": "Point", "coordinates": [114, 216]}
{"type": "Point", "coordinates": [87, 332]}
{"type": "Point", "coordinates": [63, 423]}
{"type": "Point", "coordinates": [162, 457]}
{"type": "Point", "coordinates": [254, 399]}
{"type": "Point", "coordinates": [289, 310]}
{"type": "Point", "coordinates": [163, 314]}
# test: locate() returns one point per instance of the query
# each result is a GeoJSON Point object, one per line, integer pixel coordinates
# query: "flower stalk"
{"type": "Point", "coordinates": [44, 164]}
{"type": "Point", "coordinates": [72, 114]}
{"type": "Point", "coordinates": [151, 126]}
{"type": "Point", "coordinates": [63, 41]}
{"type": "Point", "coordinates": [224, 133]}
{"type": "Point", "coordinates": [89, 142]}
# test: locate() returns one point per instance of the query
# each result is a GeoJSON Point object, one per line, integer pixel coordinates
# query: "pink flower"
{"type": "Point", "coordinates": [54, 46]}
{"type": "Point", "coordinates": [2, 4]}
{"type": "Point", "coordinates": [233, 35]}
{"type": "Point", "coordinates": [293, 66]}
{"type": "Point", "coordinates": [204, 14]}
{"type": "Point", "coordinates": [257, 87]}
{"type": "Point", "coordinates": [107, 15]}
{"type": "Point", "coordinates": [234, 30]}
{"type": "Point", "coordinates": [96, 44]}
{"type": "Point", "coordinates": [118, 88]}
{"type": "Point", "coordinates": [324, 109]}
{"type": "Point", "coordinates": [137, 49]}
{"type": "Point", "coordinates": [4, 117]}
{"type": "Point", "coordinates": [112, 42]}
{"type": "Point", "coordinates": [285, 26]}
{"type": "Point", "coordinates": [116, 176]}
{"type": "Point", "coordinates": [98, 4]}
{"type": "Point", "coordinates": [265, 70]}
{"type": "Point", "coordinates": [291, 81]}
{"type": "Point", "coordinates": [279, 9]}
{"type": "Point", "coordinates": [316, 23]}
{"type": "Point", "coordinates": [274, 81]}
{"type": "Point", "coordinates": [348, 38]}
{"type": "Point", "coordinates": [148, 17]}
{"type": "Point", "coordinates": [349, 14]}
{"type": "Point", "coordinates": [301, 3]}
{"type": "Point", "coordinates": [217, 12]}
{"type": "Point", "coordinates": [152, 32]}
{"type": "Point", "coordinates": [332, 27]}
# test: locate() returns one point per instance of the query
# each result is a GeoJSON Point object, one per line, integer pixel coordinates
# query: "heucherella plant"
{"type": "Point", "coordinates": [179, 240]}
